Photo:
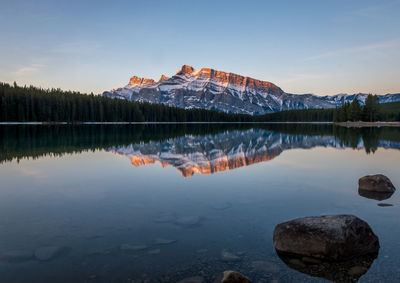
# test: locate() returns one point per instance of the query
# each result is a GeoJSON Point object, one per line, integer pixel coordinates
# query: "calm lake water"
{"type": "Point", "coordinates": [160, 203]}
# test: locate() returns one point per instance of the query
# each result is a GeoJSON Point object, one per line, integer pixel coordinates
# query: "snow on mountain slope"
{"type": "Point", "coordinates": [216, 90]}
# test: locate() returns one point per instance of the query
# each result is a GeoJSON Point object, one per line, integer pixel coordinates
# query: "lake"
{"type": "Point", "coordinates": [160, 203]}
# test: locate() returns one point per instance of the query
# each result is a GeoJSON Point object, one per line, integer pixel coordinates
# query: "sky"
{"type": "Point", "coordinates": [321, 47]}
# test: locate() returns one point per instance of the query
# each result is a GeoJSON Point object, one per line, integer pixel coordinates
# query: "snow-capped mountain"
{"type": "Point", "coordinates": [225, 151]}
{"type": "Point", "coordinates": [211, 89]}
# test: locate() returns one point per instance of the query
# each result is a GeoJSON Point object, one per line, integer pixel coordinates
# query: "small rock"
{"type": "Point", "coordinates": [128, 247]}
{"type": "Point", "coordinates": [49, 252]}
{"type": "Point", "coordinates": [165, 217]}
{"type": "Point", "coordinates": [384, 204]}
{"type": "Point", "coordinates": [161, 241]}
{"type": "Point", "coordinates": [229, 257]}
{"type": "Point", "coordinates": [154, 252]}
{"type": "Point", "coordinates": [188, 221]}
{"type": "Point", "coordinates": [194, 279]}
{"type": "Point", "coordinates": [231, 276]}
{"type": "Point", "coordinates": [265, 266]}
{"type": "Point", "coordinates": [376, 183]}
{"type": "Point", "coordinates": [16, 256]}
{"type": "Point", "coordinates": [221, 206]}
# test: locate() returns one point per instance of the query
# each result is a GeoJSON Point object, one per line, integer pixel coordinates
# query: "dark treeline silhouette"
{"type": "Point", "coordinates": [32, 104]}
{"type": "Point", "coordinates": [26, 104]}
{"type": "Point", "coordinates": [34, 141]}
{"type": "Point", "coordinates": [370, 112]}
{"type": "Point", "coordinates": [302, 115]}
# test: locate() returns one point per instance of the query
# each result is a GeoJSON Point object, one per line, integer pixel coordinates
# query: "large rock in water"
{"type": "Point", "coordinates": [376, 183]}
{"type": "Point", "coordinates": [329, 237]}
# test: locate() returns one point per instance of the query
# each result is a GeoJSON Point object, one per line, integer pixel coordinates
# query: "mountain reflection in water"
{"type": "Point", "coordinates": [208, 154]}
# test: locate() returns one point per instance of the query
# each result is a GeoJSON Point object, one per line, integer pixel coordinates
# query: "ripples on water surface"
{"type": "Point", "coordinates": [162, 203]}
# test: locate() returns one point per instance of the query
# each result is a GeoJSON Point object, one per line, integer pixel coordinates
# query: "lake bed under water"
{"type": "Point", "coordinates": [160, 203]}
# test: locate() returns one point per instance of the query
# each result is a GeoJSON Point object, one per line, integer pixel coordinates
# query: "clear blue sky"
{"type": "Point", "coordinates": [322, 47]}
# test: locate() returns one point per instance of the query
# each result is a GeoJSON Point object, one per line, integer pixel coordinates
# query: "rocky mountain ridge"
{"type": "Point", "coordinates": [217, 90]}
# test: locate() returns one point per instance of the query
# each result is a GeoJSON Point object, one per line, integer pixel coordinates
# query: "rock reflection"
{"type": "Point", "coordinates": [343, 271]}
{"type": "Point", "coordinates": [374, 195]}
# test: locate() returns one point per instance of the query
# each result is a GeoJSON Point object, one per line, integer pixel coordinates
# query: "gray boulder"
{"type": "Point", "coordinates": [376, 183]}
{"type": "Point", "coordinates": [329, 237]}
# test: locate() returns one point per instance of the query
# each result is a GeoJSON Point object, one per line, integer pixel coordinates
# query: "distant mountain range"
{"type": "Point", "coordinates": [216, 90]}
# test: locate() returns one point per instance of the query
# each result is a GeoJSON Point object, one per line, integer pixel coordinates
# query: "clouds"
{"type": "Point", "coordinates": [28, 70]}
{"type": "Point", "coordinates": [355, 49]}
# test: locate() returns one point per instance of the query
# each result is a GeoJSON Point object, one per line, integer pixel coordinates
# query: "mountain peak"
{"type": "Point", "coordinates": [186, 70]}
{"type": "Point", "coordinates": [163, 78]}
{"type": "Point", "coordinates": [134, 81]}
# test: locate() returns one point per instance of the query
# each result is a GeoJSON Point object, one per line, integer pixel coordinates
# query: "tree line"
{"type": "Point", "coordinates": [28, 104]}
{"type": "Point", "coordinates": [25, 104]}
{"type": "Point", "coordinates": [371, 111]}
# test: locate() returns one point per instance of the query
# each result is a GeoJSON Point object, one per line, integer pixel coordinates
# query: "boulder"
{"type": "Point", "coordinates": [376, 183]}
{"type": "Point", "coordinates": [50, 252]}
{"type": "Point", "coordinates": [329, 237]}
{"type": "Point", "coordinates": [231, 276]}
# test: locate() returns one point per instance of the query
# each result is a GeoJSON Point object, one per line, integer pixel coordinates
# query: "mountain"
{"type": "Point", "coordinates": [209, 154]}
{"type": "Point", "coordinates": [216, 90]}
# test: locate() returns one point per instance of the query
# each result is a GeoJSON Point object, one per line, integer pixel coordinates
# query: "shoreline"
{"type": "Point", "coordinates": [366, 124]}
{"type": "Point", "coordinates": [149, 123]}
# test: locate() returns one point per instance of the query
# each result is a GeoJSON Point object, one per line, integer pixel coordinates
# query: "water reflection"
{"type": "Point", "coordinates": [374, 195]}
{"type": "Point", "coordinates": [342, 271]}
{"type": "Point", "coordinates": [208, 154]}
{"type": "Point", "coordinates": [123, 223]}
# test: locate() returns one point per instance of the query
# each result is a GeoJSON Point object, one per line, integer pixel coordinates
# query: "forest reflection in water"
{"type": "Point", "coordinates": [191, 148]}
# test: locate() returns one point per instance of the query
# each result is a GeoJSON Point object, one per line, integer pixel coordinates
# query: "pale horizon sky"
{"type": "Point", "coordinates": [321, 47]}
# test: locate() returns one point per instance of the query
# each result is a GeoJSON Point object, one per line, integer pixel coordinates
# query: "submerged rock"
{"type": "Point", "coordinates": [165, 217]}
{"type": "Point", "coordinates": [154, 252]}
{"type": "Point", "coordinates": [229, 257]}
{"type": "Point", "coordinates": [129, 247]}
{"type": "Point", "coordinates": [330, 237]}
{"type": "Point", "coordinates": [161, 241]}
{"type": "Point", "coordinates": [194, 279]}
{"type": "Point", "coordinates": [230, 276]}
{"type": "Point", "coordinates": [265, 266]}
{"type": "Point", "coordinates": [376, 183]}
{"type": "Point", "coordinates": [50, 252]}
{"type": "Point", "coordinates": [16, 256]}
{"type": "Point", "coordinates": [221, 206]}
{"type": "Point", "coordinates": [188, 221]}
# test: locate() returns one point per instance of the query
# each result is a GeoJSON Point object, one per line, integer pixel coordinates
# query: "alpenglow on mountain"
{"type": "Point", "coordinates": [216, 90]}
